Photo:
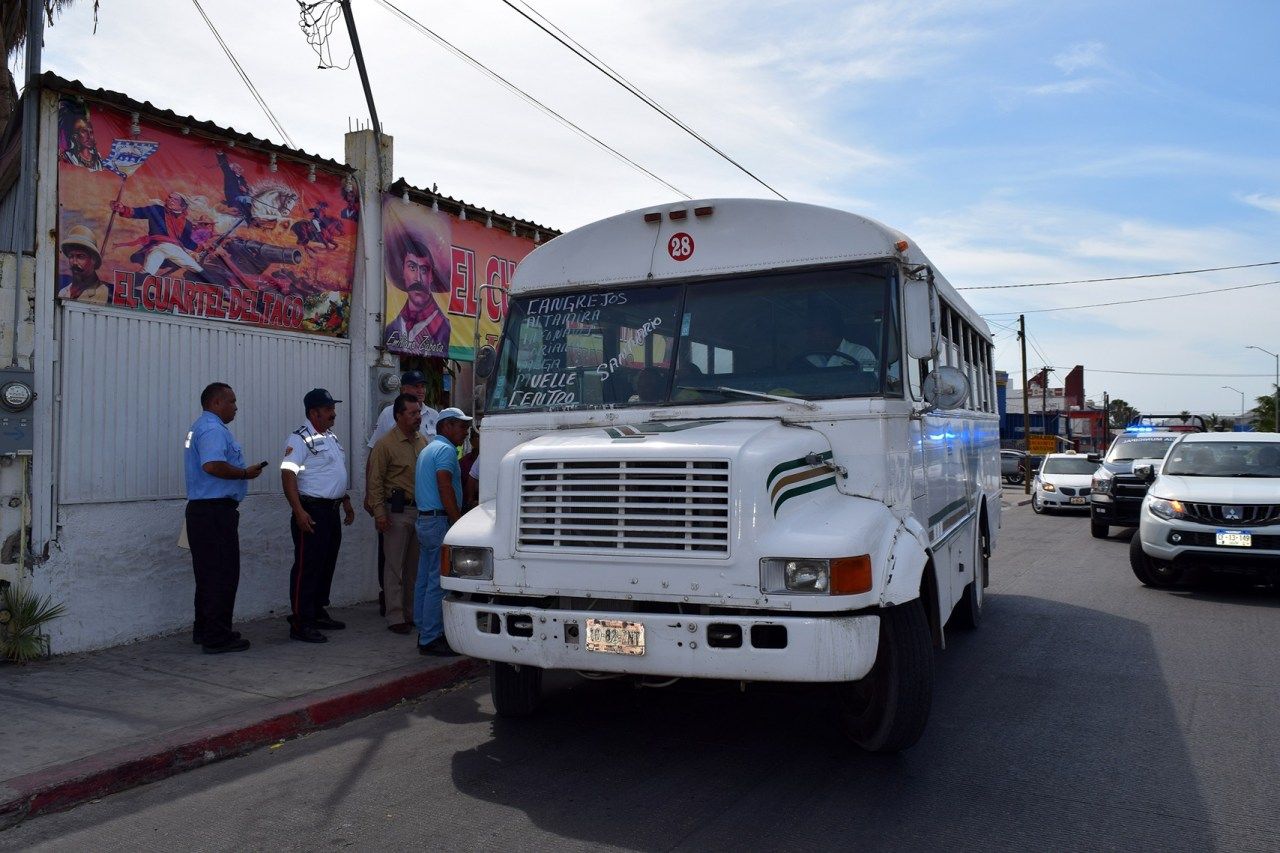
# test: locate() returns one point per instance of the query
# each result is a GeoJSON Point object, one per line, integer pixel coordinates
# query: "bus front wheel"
{"type": "Point", "coordinates": [516, 690]}
{"type": "Point", "coordinates": [887, 710]}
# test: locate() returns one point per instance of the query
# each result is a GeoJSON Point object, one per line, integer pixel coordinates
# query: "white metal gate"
{"type": "Point", "coordinates": [130, 389]}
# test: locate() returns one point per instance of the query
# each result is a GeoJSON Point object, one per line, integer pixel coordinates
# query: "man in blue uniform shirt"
{"type": "Point", "coordinates": [314, 476]}
{"type": "Point", "coordinates": [216, 475]}
{"type": "Point", "coordinates": [437, 485]}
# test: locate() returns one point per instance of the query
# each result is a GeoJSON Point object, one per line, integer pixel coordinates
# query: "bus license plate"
{"type": "Point", "coordinates": [1235, 538]}
{"type": "Point", "coordinates": [1077, 501]}
{"type": "Point", "coordinates": [615, 636]}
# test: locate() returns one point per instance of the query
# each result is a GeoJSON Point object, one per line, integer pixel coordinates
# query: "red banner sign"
{"type": "Point", "coordinates": [156, 220]}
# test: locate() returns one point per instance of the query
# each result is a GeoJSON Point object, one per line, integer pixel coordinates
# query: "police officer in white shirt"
{"type": "Point", "coordinates": [314, 476]}
{"type": "Point", "coordinates": [411, 382]}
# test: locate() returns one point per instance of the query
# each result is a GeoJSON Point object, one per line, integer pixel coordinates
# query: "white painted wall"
{"type": "Point", "coordinates": [119, 571]}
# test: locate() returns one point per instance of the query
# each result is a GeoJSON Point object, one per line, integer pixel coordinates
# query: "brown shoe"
{"type": "Point", "coordinates": [400, 628]}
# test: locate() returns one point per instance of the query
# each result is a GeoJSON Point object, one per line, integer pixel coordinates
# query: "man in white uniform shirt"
{"type": "Point", "coordinates": [314, 476]}
{"type": "Point", "coordinates": [411, 382]}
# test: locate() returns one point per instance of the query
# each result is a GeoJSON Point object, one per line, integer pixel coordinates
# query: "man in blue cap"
{"type": "Point", "coordinates": [314, 476]}
{"type": "Point", "coordinates": [437, 485]}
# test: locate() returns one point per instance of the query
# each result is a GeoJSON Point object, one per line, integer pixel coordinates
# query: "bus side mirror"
{"type": "Point", "coordinates": [486, 360]}
{"type": "Point", "coordinates": [946, 388]}
{"type": "Point", "coordinates": [920, 308]}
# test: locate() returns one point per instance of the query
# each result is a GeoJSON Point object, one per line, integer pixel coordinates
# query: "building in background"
{"type": "Point", "coordinates": [171, 252]}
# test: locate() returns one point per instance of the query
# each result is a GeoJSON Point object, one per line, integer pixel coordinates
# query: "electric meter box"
{"type": "Point", "coordinates": [17, 393]}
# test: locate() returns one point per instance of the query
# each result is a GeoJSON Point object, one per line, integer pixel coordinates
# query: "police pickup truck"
{"type": "Point", "coordinates": [1117, 493]}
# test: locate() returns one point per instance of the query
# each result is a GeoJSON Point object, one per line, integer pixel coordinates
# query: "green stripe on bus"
{"type": "Point", "coordinates": [803, 490]}
{"type": "Point", "coordinates": [787, 466]}
{"type": "Point", "coordinates": [949, 508]}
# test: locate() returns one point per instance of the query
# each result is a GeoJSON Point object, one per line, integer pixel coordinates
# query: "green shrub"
{"type": "Point", "coordinates": [23, 615]}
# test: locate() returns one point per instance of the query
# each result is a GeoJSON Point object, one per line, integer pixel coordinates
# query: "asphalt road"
{"type": "Point", "coordinates": [1086, 713]}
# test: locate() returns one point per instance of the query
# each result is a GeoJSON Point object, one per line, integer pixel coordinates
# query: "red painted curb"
{"type": "Point", "coordinates": [74, 782]}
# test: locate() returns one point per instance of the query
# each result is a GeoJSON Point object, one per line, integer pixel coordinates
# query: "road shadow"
{"type": "Point", "coordinates": [1052, 727]}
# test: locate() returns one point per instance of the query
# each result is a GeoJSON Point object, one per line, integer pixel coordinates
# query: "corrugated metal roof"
{"type": "Point", "coordinates": [49, 80]}
{"type": "Point", "coordinates": [455, 206]}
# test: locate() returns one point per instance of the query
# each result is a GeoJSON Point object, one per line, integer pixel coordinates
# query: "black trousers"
{"type": "Point", "coordinates": [213, 532]}
{"type": "Point", "coordinates": [315, 556]}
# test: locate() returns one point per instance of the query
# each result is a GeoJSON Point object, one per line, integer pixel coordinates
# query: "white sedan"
{"type": "Point", "coordinates": [1063, 482]}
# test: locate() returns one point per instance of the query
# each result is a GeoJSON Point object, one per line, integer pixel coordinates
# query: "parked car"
{"type": "Point", "coordinates": [1118, 492]}
{"type": "Point", "coordinates": [1013, 466]}
{"type": "Point", "coordinates": [1063, 482]}
{"type": "Point", "coordinates": [1214, 505]}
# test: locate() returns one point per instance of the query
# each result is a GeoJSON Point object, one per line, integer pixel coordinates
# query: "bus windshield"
{"type": "Point", "coordinates": [817, 334]}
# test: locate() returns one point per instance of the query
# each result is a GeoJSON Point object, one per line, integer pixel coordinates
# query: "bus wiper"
{"type": "Point", "coordinates": [758, 395]}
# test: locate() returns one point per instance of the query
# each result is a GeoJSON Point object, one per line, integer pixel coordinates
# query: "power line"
{"type": "Point", "coordinates": [245, 77]}
{"type": "Point", "coordinates": [1185, 375]}
{"type": "Point", "coordinates": [530, 99]}
{"type": "Point", "coordinates": [1134, 301]}
{"type": "Point", "coordinates": [318, 27]}
{"type": "Point", "coordinates": [1119, 277]}
{"type": "Point", "coordinates": [544, 24]}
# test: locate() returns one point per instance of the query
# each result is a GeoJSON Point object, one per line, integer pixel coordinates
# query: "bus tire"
{"type": "Point", "coordinates": [1099, 529]}
{"type": "Point", "coordinates": [968, 613]}
{"type": "Point", "coordinates": [516, 690]}
{"type": "Point", "coordinates": [1153, 573]}
{"type": "Point", "coordinates": [886, 711]}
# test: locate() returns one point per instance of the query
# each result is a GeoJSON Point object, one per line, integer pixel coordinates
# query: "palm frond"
{"type": "Point", "coordinates": [23, 615]}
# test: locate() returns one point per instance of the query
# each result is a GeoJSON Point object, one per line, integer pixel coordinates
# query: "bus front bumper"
{"type": "Point", "coordinates": [739, 648]}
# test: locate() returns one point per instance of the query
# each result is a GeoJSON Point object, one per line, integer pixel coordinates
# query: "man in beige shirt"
{"type": "Point", "coordinates": [389, 493]}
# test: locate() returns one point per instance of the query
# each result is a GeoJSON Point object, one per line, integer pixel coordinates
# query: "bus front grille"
{"type": "Point", "coordinates": [636, 507]}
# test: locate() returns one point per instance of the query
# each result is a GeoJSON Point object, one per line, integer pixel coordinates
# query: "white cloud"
{"type": "Point", "coordinates": [1269, 203]}
{"type": "Point", "coordinates": [1068, 87]}
{"type": "Point", "coordinates": [1079, 57]}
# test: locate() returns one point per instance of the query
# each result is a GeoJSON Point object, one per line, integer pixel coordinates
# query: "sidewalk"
{"type": "Point", "coordinates": [83, 726]}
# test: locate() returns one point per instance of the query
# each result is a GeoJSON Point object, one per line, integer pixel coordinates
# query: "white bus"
{"type": "Point", "coordinates": [731, 439]}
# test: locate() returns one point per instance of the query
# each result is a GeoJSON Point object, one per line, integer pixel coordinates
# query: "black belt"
{"type": "Point", "coordinates": [307, 499]}
{"type": "Point", "coordinates": [215, 501]}
{"type": "Point", "coordinates": [432, 512]}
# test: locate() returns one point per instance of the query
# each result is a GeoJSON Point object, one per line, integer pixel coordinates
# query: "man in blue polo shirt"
{"type": "Point", "coordinates": [216, 475]}
{"type": "Point", "coordinates": [437, 486]}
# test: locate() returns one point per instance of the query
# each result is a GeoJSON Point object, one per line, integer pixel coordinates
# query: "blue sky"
{"type": "Point", "coordinates": [1014, 141]}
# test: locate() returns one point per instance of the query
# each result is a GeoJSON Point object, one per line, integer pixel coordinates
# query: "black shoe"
{"type": "Point", "coordinates": [382, 604]}
{"type": "Point", "coordinates": [400, 628]}
{"type": "Point", "coordinates": [307, 634]}
{"type": "Point", "coordinates": [326, 624]}
{"type": "Point", "coordinates": [439, 647]}
{"type": "Point", "coordinates": [235, 635]}
{"type": "Point", "coordinates": [235, 645]}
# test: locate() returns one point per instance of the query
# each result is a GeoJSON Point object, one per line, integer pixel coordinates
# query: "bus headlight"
{"type": "Point", "coordinates": [816, 576]}
{"type": "Point", "coordinates": [461, 561]}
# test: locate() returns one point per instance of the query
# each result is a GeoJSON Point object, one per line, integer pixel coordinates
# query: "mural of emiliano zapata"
{"type": "Point", "coordinates": [415, 264]}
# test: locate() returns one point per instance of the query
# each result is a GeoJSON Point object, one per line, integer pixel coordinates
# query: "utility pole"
{"type": "Point", "coordinates": [1044, 399]}
{"type": "Point", "coordinates": [1276, 356]}
{"type": "Point", "coordinates": [26, 190]}
{"type": "Point", "coordinates": [368, 90]}
{"type": "Point", "coordinates": [1106, 420]}
{"type": "Point", "coordinates": [1026, 406]}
